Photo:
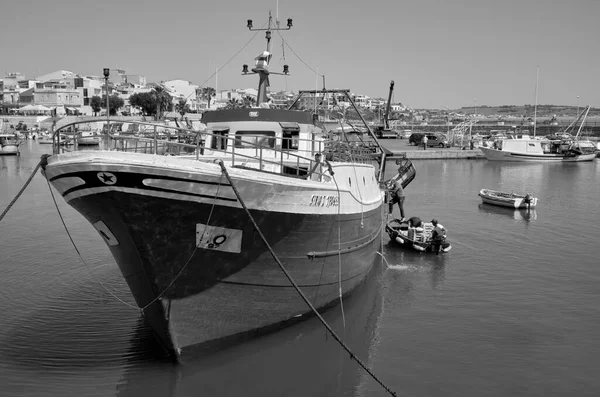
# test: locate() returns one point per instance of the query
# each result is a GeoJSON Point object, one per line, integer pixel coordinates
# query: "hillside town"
{"type": "Point", "coordinates": [64, 92]}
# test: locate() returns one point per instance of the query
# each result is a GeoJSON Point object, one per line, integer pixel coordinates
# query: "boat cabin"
{"type": "Point", "coordinates": [274, 135]}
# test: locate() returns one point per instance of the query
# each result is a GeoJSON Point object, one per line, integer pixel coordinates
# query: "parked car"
{"type": "Point", "coordinates": [404, 134]}
{"type": "Point", "coordinates": [415, 138]}
{"type": "Point", "coordinates": [433, 140]}
{"type": "Point", "coordinates": [437, 140]}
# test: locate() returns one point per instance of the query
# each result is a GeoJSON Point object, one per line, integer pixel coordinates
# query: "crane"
{"type": "Point", "coordinates": [385, 131]}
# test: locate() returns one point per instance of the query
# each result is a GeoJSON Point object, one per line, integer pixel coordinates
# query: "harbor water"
{"type": "Point", "coordinates": [512, 310]}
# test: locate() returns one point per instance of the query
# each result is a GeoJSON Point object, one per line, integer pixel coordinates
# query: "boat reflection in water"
{"type": "Point", "coordinates": [303, 360]}
{"type": "Point", "coordinates": [523, 214]}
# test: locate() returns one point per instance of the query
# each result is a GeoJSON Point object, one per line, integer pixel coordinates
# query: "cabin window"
{"type": "Point", "coordinates": [290, 136]}
{"type": "Point", "coordinates": [252, 139]}
{"type": "Point", "coordinates": [219, 139]}
{"type": "Point", "coordinates": [290, 139]}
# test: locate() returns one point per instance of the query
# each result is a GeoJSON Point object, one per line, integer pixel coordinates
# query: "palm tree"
{"type": "Point", "coordinates": [248, 101]}
{"type": "Point", "coordinates": [164, 101]}
{"type": "Point", "coordinates": [234, 104]}
{"type": "Point", "coordinates": [182, 107]}
{"type": "Point", "coordinates": [206, 93]}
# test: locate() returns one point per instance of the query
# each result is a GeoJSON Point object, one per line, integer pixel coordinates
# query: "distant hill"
{"type": "Point", "coordinates": [527, 110]}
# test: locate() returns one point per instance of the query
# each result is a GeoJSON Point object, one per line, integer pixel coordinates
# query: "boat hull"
{"type": "Point", "coordinates": [419, 241]}
{"type": "Point", "coordinates": [193, 259]}
{"type": "Point", "coordinates": [508, 200]}
{"type": "Point", "coordinates": [89, 141]}
{"type": "Point", "coordinates": [9, 150]}
{"type": "Point", "coordinates": [501, 155]}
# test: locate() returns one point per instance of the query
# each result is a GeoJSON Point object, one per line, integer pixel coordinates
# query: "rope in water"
{"type": "Point", "coordinates": [296, 287]}
{"type": "Point", "coordinates": [43, 160]}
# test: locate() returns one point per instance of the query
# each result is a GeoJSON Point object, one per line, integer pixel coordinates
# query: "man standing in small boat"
{"type": "Point", "coordinates": [397, 196]}
{"type": "Point", "coordinates": [437, 236]}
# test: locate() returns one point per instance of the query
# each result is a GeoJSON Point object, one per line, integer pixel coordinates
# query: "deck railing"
{"type": "Point", "coordinates": [275, 155]}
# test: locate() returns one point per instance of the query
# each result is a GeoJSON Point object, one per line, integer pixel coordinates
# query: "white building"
{"type": "Point", "coordinates": [56, 75]}
{"type": "Point", "coordinates": [183, 89]}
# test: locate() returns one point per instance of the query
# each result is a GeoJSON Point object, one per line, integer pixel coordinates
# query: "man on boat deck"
{"type": "Point", "coordinates": [397, 193]}
{"type": "Point", "coordinates": [437, 236]}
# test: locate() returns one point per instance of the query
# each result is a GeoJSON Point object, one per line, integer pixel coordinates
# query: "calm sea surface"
{"type": "Point", "coordinates": [512, 310]}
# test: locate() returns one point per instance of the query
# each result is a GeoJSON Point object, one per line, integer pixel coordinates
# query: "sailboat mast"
{"type": "Point", "coordinates": [537, 77]}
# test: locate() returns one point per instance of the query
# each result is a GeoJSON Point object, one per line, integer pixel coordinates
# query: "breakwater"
{"type": "Point", "coordinates": [437, 154]}
{"type": "Point", "coordinates": [487, 129]}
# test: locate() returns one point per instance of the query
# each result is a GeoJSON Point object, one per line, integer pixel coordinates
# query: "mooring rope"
{"type": "Point", "coordinates": [193, 252]}
{"type": "Point", "coordinates": [296, 287]}
{"type": "Point", "coordinates": [43, 160]}
{"type": "Point", "coordinates": [79, 253]}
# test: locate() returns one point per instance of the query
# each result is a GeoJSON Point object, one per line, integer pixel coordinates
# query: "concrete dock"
{"type": "Point", "coordinates": [434, 154]}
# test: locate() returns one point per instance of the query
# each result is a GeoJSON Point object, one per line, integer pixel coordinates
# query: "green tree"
{"type": "Point", "coordinates": [145, 102]}
{"type": "Point", "coordinates": [182, 107]}
{"type": "Point", "coordinates": [114, 102]}
{"type": "Point", "coordinates": [96, 104]}
{"type": "Point", "coordinates": [164, 101]}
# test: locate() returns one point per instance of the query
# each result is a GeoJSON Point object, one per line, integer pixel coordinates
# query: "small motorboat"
{"type": "Point", "coordinates": [511, 200]}
{"type": "Point", "coordinates": [418, 238]}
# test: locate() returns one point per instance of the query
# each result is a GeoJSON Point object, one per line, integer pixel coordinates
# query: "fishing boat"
{"type": "Point", "coordinates": [511, 200]}
{"type": "Point", "coordinates": [88, 138]}
{"type": "Point", "coordinates": [9, 144]}
{"type": "Point", "coordinates": [419, 238]}
{"type": "Point", "coordinates": [218, 244]}
{"type": "Point", "coordinates": [525, 148]}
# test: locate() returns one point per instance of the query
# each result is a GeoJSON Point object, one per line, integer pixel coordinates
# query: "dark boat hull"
{"type": "Point", "coordinates": [198, 267]}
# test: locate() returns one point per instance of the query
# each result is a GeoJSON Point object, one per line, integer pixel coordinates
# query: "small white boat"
{"type": "Point", "coordinates": [9, 144]}
{"type": "Point", "coordinates": [89, 138]}
{"type": "Point", "coordinates": [511, 200]}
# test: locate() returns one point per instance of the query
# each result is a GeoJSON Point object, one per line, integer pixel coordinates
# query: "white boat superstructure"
{"type": "Point", "coordinates": [526, 148]}
{"type": "Point", "coordinates": [9, 144]}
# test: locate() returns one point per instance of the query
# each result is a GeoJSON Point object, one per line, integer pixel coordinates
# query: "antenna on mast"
{"type": "Point", "coordinates": [261, 62]}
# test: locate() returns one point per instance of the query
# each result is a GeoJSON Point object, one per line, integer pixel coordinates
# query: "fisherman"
{"type": "Point", "coordinates": [415, 221]}
{"type": "Point", "coordinates": [397, 196]}
{"type": "Point", "coordinates": [437, 236]}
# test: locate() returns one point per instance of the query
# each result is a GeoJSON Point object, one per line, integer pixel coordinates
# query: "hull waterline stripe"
{"type": "Point", "coordinates": [288, 286]}
{"type": "Point", "coordinates": [103, 189]}
{"type": "Point", "coordinates": [324, 254]}
{"type": "Point", "coordinates": [146, 176]}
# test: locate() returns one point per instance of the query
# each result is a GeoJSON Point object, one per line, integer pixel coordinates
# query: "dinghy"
{"type": "Point", "coordinates": [511, 200]}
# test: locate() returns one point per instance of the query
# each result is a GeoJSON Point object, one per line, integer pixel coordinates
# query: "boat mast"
{"type": "Point", "coordinates": [582, 123]}
{"type": "Point", "coordinates": [261, 62]}
{"type": "Point", "coordinates": [536, 100]}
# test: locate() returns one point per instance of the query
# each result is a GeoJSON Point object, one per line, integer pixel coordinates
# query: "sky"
{"type": "Point", "coordinates": [439, 53]}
